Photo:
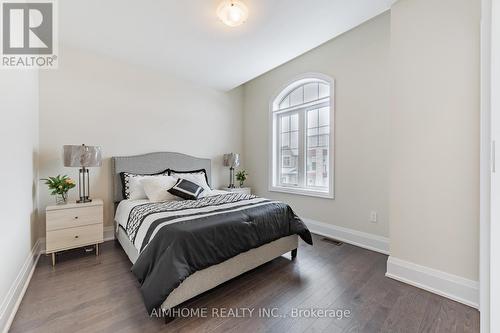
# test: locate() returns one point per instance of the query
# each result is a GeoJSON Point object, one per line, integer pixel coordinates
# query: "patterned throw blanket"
{"type": "Point", "coordinates": [176, 210]}
{"type": "Point", "coordinates": [178, 238]}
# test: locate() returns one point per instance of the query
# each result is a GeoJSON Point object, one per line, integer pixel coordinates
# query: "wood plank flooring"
{"type": "Point", "coordinates": [84, 293]}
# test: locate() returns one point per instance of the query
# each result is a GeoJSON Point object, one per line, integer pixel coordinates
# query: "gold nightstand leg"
{"type": "Point", "coordinates": [97, 250]}
{"type": "Point", "coordinates": [53, 259]}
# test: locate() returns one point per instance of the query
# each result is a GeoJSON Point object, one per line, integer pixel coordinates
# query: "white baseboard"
{"type": "Point", "coordinates": [438, 282]}
{"type": "Point", "coordinates": [16, 292]}
{"type": "Point", "coordinates": [354, 237]}
{"type": "Point", "coordinates": [109, 233]}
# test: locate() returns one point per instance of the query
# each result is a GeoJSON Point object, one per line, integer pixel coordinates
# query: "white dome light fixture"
{"type": "Point", "coordinates": [232, 12]}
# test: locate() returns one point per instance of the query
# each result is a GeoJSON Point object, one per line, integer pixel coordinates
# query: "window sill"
{"type": "Point", "coordinates": [304, 192]}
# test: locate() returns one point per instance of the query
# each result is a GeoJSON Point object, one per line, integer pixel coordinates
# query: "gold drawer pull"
{"type": "Point", "coordinates": [76, 236]}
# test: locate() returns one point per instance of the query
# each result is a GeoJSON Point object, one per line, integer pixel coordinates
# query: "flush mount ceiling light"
{"type": "Point", "coordinates": [232, 12]}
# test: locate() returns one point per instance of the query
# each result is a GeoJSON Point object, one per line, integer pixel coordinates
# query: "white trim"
{"type": "Point", "coordinates": [362, 239]}
{"type": "Point", "coordinates": [438, 282]}
{"type": "Point", "coordinates": [301, 191]}
{"type": "Point", "coordinates": [296, 81]}
{"type": "Point", "coordinates": [319, 103]}
{"type": "Point", "coordinates": [16, 292]}
{"type": "Point", "coordinates": [492, 228]}
{"type": "Point", "coordinates": [485, 176]}
{"type": "Point", "coordinates": [109, 233]}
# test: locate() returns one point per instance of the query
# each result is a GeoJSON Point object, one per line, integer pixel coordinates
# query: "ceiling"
{"type": "Point", "coordinates": [185, 38]}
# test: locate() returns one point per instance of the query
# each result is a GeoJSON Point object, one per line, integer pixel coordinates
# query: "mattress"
{"type": "Point", "coordinates": [126, 244]}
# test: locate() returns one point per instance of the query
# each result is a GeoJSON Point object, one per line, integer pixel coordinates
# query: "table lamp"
{"type": "Point", "coordinates": [231, 160]}
{"type": "Point", "coordinates": [83, 157]}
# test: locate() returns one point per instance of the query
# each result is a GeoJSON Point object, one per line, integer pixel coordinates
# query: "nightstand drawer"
{"type": "Point", "coordinates": [68, 218]}
{"type": "Point", "coordinates": [74, 237]}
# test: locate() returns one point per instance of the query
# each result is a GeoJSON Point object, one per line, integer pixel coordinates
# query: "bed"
{"type": "Point", "coordinates": [180, 250]}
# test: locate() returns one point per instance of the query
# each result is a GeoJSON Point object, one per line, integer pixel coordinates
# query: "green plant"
{"type": "Point", "coordinates": [241, 176]}
{"type": "Point", "coordinates": [60, 185]}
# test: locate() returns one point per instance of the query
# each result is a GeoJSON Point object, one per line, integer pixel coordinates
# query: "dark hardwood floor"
{"type": "Point", "coordinates": [84, 293]}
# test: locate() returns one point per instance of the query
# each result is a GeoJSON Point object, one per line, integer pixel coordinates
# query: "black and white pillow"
{"type": "Point", "coordinates": [186, 189]}
{"type": "Point", "coordinates": [198, 177]}
{"type": "Point", "coordinates": [131, 184]}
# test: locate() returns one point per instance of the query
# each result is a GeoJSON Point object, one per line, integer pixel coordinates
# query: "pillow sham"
{"type": "Point", "coordinates": [131, 185]}
{"type": "Point", "coordinates": [198, 177]}
{"type": "Point", "coordinates": [157, 188]}
{"type": "Point", "coordinates": [186, 189]}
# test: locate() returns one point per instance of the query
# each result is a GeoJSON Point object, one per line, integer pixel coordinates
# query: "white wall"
{"type": "Point", "coordinates": [18, 197]}
{"type": "Point", "coordinates": [129, 110]}
{"type": "Point", "coordinates": [359, 62]}
{"type": "Point", "coordinates": [434, 211]}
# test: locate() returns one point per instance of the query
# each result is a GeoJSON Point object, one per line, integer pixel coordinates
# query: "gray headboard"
{"type": "Point", "coordinates": [154, 163]}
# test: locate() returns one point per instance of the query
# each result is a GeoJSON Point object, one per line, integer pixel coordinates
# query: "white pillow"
{"type": "Point", "coordinates": [157, 188]}
{"type": "Point", "coordinates": [132, 187]}
{"type": "Point", "coordinates": [196, 177]}
{"type": "Point", "coordinates": [135, 187]}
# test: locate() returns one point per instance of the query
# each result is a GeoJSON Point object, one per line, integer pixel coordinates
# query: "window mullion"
{"type": "Point", "coordinates": [302, 148]}
{"type": "Point", "coordinates": [309, 105]}
{"type": "Point", "coordinates": [278, 150]}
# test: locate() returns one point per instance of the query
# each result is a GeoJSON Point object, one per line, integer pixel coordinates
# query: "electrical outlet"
{"type": "Point", "coordinates": [373, 216]}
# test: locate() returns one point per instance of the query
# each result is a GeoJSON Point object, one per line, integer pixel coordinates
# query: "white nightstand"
{"type": "Point", "coordinates": [246, 190]}
{"type": "Point", "coordinates": [74, 225]}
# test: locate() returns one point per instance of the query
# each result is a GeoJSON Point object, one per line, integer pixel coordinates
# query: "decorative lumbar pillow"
{"type": "Point", "coordinates": [198, 177]}
{"type": "Point", "coordinates": [186, 189]}
{"type": "Point", "coordinates": [157, 188]}
{"type": "Point", "coordinates": [131, 184]}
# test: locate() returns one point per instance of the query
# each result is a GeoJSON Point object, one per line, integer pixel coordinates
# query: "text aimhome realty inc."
{"type": "Point", "coordinates": [246, 312]}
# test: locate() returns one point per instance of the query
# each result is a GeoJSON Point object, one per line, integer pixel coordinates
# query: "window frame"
{"type": "Point", "coordinates": [274, 132]}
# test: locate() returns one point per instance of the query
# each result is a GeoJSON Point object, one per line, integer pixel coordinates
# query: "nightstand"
{"type": "Point", "coordinates": [74, 225]}
{"type": "Point", "coordinates": [245, 190]}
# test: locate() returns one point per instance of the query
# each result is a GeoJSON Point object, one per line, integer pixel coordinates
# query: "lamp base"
{"type": "Point", "coordinates": [83, 185]}
{"type": "Point", "coordinates": [231, 177]}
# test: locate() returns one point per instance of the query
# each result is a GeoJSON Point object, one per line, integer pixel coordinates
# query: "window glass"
{"type": "Point", "coordinates": [285, 102]}
{"type": "Point", "coordinates": [311, 92]}
{"type": "Point", "coordinates": [324, 90]}
{"type": "Point", "coordinates": [297, 96]}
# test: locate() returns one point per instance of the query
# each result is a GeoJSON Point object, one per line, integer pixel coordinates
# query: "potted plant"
{"type": "Point", "coordinates": [241, 176]}
{"type": "Point", "coordinates": [60, 185]}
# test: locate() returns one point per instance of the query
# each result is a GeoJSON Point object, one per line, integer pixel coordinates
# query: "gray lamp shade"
{"type": "Point", "coordinates": [231, 160]}
{"type": "Point", "coordinates": [82, 156]}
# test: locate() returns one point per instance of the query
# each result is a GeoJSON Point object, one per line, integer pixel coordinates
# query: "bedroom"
{"type": "Point", "coordinates": [372, 121]}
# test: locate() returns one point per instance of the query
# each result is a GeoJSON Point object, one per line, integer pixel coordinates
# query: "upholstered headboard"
{"type": "Point", "coordinates": [154, 163]}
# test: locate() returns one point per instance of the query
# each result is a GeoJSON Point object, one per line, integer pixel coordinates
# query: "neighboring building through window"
{"type": "Point", "coordinates": [302, 145]}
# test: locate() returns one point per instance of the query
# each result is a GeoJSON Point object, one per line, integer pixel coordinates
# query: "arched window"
{"type": "Point", "coordinates": [302, 138]}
